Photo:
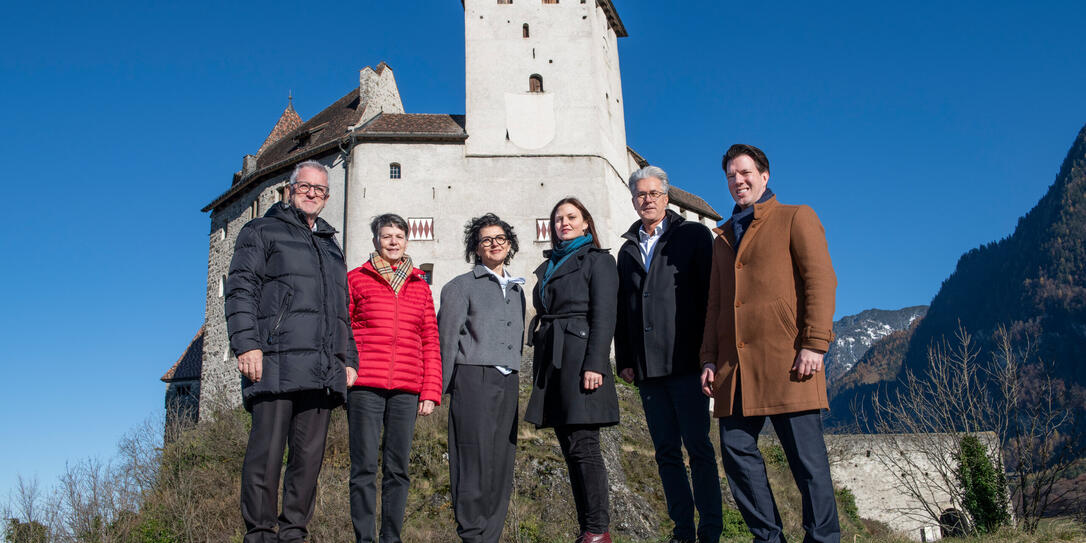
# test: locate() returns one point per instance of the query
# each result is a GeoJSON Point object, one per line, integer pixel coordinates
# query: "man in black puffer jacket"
{"type": "Point", "coordinates": [286, 313]}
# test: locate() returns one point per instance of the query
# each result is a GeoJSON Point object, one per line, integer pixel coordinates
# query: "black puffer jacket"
{"type": "Point", "coordinates": [287, 296]}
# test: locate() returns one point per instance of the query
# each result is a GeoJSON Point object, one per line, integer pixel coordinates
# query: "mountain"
{"type": "Point", "coordinates": [1032, 282]}
{"type": "Point", "coordinates": [879, 365]}
{"type": "Point", "coordinates": [857, 333]}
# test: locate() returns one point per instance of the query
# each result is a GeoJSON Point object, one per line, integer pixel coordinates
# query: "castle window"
{"type": "Point", "coordinates": [222, 286]}
{"type": "Point", "coordinates": [428, 271]}
{"type": "Point", "coordinates": [525, 30]}
{"type": "Point", "coordinates": [394, 170]}
{"type": "Point", "coordinates": [535, 83]}
{"type": "Point", "coordinates": [222, 233]}
{"type": "Point", "coordinates": [254, 208]}
{"type": "Point", "coordinates": [284, 193]}
{"type": "Point", "coordinates": [420, 229]}
{"type": "Point", "coordinates": [542, 229]}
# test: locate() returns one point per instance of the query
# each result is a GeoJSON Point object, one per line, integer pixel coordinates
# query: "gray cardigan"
{"type": "Point", "coordinates": [478, 325]}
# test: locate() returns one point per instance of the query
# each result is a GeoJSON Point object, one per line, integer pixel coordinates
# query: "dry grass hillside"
{"type": "Point", "coordinates": [193, 495]}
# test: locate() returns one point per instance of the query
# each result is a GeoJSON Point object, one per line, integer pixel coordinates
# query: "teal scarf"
{"type": "Point", "coordinates": [556, 258]}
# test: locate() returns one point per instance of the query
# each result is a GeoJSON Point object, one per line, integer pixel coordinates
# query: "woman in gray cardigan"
{"type": "Point", "coordinates": [481, 325]}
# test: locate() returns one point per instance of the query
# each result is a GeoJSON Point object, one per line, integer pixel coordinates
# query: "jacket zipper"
{"type": "Point", "coordinates": [395, 332]}
{"type": "Point", "coordinates": [283, 311]}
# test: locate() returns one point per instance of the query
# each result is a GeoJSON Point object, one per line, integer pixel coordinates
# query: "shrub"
{"type": "Point", "coordinates": [984, 488]}
{"type": "Point", "coordinates": [734, 525]}
{"type": "Point", "coordinates": [847, 501]}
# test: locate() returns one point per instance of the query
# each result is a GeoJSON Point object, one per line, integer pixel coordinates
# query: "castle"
{"type": "Point", "coordinates": [544, 119]}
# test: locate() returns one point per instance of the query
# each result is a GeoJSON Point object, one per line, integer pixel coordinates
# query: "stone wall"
{"type": "Point", "coordinates": [872, 467]}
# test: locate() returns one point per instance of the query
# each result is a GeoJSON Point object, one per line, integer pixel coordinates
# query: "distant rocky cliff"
{"type": "Point", "coordinates": [857, 333]}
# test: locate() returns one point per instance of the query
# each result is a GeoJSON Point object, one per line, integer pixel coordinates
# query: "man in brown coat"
{"type": "Point", "coordinates": [768, 325]}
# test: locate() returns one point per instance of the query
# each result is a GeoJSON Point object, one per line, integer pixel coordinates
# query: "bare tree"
{"type": "Point", "coordinates": [1017, 410]}
{"type": "Point", "coordinates": [1044, 435]}
{"type": "Point", "coordinates": [26, 514]}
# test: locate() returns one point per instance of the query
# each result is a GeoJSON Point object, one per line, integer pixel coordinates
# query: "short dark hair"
{"type": "Point", "coordinates": [472, 237]}
{"type": "Point", "coordinates": [584, 213]}
{"type": "Point", "coordinates": [755, 154]}
{"type": "Point", "coordinates": [387, 219]}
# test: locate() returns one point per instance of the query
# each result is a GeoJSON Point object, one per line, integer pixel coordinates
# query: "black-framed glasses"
{"type": "Point", "coordinates": [489, 242]}
{"type": "Point", "coordinates": [320, 190]}
{"type": "Point", "coordinates": [650, 196]}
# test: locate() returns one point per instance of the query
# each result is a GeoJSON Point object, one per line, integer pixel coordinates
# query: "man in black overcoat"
{"type": "Point", "coordinates": [663, 272]}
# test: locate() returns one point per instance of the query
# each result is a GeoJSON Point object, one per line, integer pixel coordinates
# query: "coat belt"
{"type": "Point", "coordinates": [551, 324]}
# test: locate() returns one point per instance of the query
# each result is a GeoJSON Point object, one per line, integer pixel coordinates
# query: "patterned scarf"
{"type": "Point", "coordinates": [396, 278]}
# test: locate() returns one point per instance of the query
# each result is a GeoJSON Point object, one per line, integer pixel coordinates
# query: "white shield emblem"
{"type": "Point", "coordinates": [529, 119]}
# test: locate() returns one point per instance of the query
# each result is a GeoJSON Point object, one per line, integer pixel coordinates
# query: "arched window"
{"type": "Point", "coordinates": [394, 170]}
{"type": "Point", "coordinates": [535, 83]}
{"type": "Point", "coordinates": [525, 31]}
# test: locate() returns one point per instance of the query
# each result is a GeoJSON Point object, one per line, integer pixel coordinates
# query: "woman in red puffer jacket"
{"type": "Point", "coordinates": [399, 375]}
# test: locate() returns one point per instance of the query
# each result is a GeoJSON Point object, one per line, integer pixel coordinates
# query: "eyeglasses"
{"type": "Point", "coordinates": [489, 242]}
{"type": "Point", "coordinates": [320, 190]}
{"type": "Point", "coordinates": [650, 196]}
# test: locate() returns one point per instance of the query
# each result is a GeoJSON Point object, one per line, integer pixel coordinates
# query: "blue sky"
{"type": "Point", "coordinates": [917, 131]}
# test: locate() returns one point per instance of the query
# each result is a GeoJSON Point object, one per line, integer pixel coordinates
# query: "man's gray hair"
{"type": "Point", "coordinates": [308, 164]}
{"type": "Point", "coordinates": [646, 172]}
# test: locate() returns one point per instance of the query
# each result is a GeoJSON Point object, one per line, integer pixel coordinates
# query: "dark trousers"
{"type": "Point", "coordinates": [369, 410]}
{"type": "Point", "coordinates": [678, 415]}
{"type": "Point", "coordinates": [482, 444]}
{"type": "Point", "coordinates": [587, 474]}
{"type": "Point", "coordinates": [801, 438]}
{"type": "Point", "coordinates": [297, 420]}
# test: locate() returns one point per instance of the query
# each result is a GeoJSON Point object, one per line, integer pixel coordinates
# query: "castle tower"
{"type": "Point", "coordinates": [543, 79]}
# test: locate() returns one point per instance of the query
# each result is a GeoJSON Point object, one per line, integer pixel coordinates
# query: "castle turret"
{"type": "Point", "coordinates": [543, 79]}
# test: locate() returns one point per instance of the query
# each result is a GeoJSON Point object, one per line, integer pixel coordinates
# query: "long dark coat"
{"type": "Point", "coordinates": [662, 310]}
{"type": "Point", "coordinates": [571, 336]}
{"type": "Point", "coordinates": [287, 296]}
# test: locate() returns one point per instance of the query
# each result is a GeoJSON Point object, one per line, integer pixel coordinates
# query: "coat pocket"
{"type": "Point", "coordinates": [574, 345]}
{"type": "Point", "coordinates": [281, 315]}
{"type": "Point", "coordinates": [786, 316]}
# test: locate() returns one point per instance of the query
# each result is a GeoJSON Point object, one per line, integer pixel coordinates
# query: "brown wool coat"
{"type": "Point", "coordinates": [771, 299]}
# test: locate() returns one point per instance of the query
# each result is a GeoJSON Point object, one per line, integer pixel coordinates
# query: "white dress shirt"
{"type": "Point", "coordinates": [648, 241]}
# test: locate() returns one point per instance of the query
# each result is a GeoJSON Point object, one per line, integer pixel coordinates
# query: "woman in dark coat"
{"type": "Point", "coordinates": [573, 388]}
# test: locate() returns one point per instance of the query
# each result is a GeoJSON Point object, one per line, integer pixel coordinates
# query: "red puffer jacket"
{"type": "Point", "coordinates": [398, 346]}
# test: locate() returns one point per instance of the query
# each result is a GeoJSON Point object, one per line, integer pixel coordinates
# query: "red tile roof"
{"type": "Point", "coordinates": [288, 122]}
{"type": "Point", "coordinates": [692, 202]}
{"type": "Point", "coordinates": [414, 126]}
{"type": "Point", "coordinates": [191, 363]}
{"type": "Point", "coordinates": [314, 137]}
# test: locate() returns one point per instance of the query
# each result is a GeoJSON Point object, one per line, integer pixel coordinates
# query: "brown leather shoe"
{"type": "Point", "coordinates": [590, 537]}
